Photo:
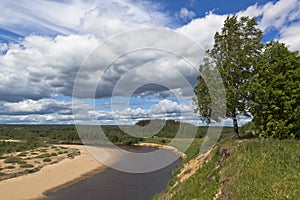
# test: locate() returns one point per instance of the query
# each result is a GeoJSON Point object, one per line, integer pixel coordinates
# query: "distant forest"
{"type": "Point", "coordinates": [68, 133]}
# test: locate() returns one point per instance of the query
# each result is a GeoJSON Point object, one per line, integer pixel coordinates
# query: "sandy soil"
{"type": "Point", "coordinates": [32, 186]}
{"type": "Point", "coordinates": [167, 147]}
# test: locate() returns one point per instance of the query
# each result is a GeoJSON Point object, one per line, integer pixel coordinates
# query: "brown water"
{"type": "Point", "coordinates": [111, 184]}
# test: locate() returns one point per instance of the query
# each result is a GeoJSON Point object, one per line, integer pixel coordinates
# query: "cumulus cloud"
{"type": "Point", "coordinates": [43, 106]}
{"type": "Point", "coordinates": [282, 16]}
{"type": "Point", "coordinates": [290, 36]}
{"type": "Point", "coordinates": [186, 14]}
{"type": "Point", "coordinates": [99, 17]}
{"type": "Point", "coordinates": [202, 30]}
{"type": "Point", "coordinates": [37, 67]}
{"type": "Point", "coordinates": [60, 111]}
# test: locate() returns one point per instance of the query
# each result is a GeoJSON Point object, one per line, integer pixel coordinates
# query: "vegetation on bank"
{"type": "Point", "coordinates": [261, 79]}
{"type": "Point", "coordinates": [19, 158]}
{"type": "Point", "coordinates": [36, 134]}
{"type": "Point", "coordinates": [254, 168]}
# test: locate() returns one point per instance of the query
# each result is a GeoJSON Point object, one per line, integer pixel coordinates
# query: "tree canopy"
{"type": "Point", "coordinates": [275, 90]}
{"type": "Point", "coordinates": [234, 55]}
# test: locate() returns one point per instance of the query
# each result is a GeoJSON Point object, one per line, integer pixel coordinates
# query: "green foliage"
{"type": "Point", "coordinates": [202, 185]}
{"type": "Point", "coordinates": [10, 167]}
{"type": "Point", "coordinates": [263, 169]}
{"type": "Point", "coordinates": [10, 147]}
{"type": "Point", "coordinates": [255, 169]}
{"type": "Point", "coordinates": [47, 160]}
{"type": "Point", "coordinates": [26, 166]}
{"type": "Point", "coordinates": [22, 154]}
{"type": "Point", "coordinates": [275, 92]}
{"type": "Point", "coordinates": [12, 159]}
{"type": "Point", "coordinates": [236, 51]}
{"type": "Point", "coordinates": [44, 155]}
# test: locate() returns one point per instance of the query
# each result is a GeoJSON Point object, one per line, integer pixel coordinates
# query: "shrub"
{"type": "Point", "coordinates": [21, 162]}
{"type": "Point", "coordinates": [12, 159]}
{"type": "Point", "coordinates": [47, 160]}
{"type": "Point", "coordinates": [44, 155]}
{"type": "Point", "coordinates": [10, 167]}
{"type": "Point", "coordinates": [53, 154]}
{"type": "Point", "coordinates": [26, 166]}
{"type": "Point", "coordinates": [2, 174]}
{"type": "Point", "coordinates": [22, 154]}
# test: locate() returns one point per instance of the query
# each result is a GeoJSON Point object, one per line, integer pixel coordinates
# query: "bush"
{"type": "Point", "coordinates": [47, 160]}
{"type": "Point", "coordinates": [44, 155]}
{"type": "Point", "coordinates": [2, 174]}
{"type": "Point", "coordinates": [10, 167]}
{"type": "Point", "coordinates": [22, 154]}
{"type": "Point", "coordinates": [12, 159]}
{"type": "Point", "coordinates": [26, 166]}
{"type": "Point", "coordinates": [53, 154]}
{"type": "Point", "coordinates": [21, 162]}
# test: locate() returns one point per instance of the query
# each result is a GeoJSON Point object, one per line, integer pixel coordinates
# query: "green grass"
{"type": "Point", "coordinates": [11, 147]}
{"type": "Point", "coordinates": [202, 185]}
{"type": "Point", "coordinates": [255, 169]}
{"type": "Point", "coordinates": [263, 169]}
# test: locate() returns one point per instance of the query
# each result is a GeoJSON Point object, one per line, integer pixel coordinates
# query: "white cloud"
{"type": "Point", "coordinates": [40, 66]}
{"type": "Point", "coordinates": [202, 30]}
{"type": "Point", "coordinates": [168, 106]}
{"type": "Point", "coordinates": [277, 14]}
{"type": "Point", "coordinates": [283, 16]}
{"type": "Point", "coordinates": [186, 14]}
{"type": "Point", "coordinates": [99, 17]}
{"type": "Point", "coordinates": [60, 111]}
{"type": "Point", "coordinates": [290, 36]}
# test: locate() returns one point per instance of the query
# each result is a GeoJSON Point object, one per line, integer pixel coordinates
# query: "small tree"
{"type": "Point", "coordinates": [236, 50]}
{"type": "Point", "coordinates": [275, 92]}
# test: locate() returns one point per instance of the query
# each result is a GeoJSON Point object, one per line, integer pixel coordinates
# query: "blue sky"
{"type": "Point", "coordinates": [44, 44]}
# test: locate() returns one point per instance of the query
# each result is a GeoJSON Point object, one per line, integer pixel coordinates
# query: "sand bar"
{"type": "Point", "coordinates": [32, 186]}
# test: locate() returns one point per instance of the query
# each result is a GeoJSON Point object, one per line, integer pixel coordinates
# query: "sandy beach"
{"type": "Point", "coordinates": [33, 186]}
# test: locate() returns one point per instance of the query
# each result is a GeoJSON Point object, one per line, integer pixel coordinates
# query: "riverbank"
{"type": "Point", "coordinates": [33, 186]}
{"type": "Point", "coordinates": [161, 146]}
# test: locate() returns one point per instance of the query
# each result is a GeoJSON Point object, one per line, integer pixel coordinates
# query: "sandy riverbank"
{"type": "Point", "coordinates": [32, 186]}
{"type": "Point", "coordinates": [161, 146]}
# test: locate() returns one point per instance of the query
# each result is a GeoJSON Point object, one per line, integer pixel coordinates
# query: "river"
{"type": "Point", "coordinates": [111, 184]}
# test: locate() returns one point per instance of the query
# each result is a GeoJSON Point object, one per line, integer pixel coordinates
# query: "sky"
{"type": "Point", "coordinates": [47, 48]}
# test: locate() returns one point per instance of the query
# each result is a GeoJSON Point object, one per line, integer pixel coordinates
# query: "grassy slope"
{"type": "Point", "coordinates": [255, 169]}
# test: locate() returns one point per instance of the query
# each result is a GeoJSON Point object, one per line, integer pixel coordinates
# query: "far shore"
{"type": "Point", "coordinates": [161, 146]}
{"type": "Point", "coordinates": [51, 177]}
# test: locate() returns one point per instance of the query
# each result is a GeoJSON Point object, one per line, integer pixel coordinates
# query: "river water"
{"type": "Point", "coordinates": [111, 184]}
